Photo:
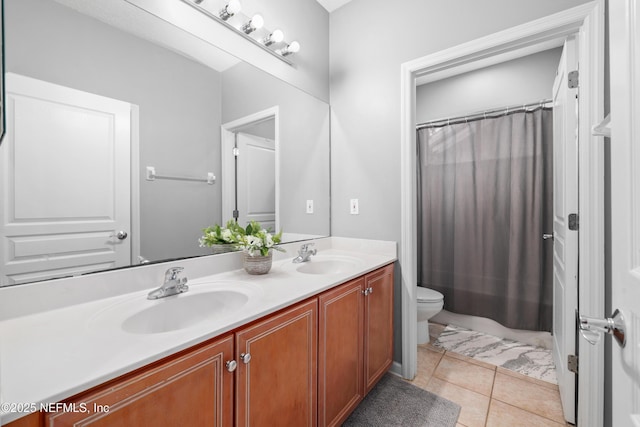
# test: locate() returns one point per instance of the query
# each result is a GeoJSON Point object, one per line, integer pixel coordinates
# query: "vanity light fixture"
{"type": "Point", "coordinates": [293, 47]}
{"type": "Point", "coordinates": [253, 24]}
{"type": "Point", "coordinates": [275, 37]}
{"type": "Point", "coordinates": [230, 9]}
{"type": "Point", "coordinates": [252, 29]}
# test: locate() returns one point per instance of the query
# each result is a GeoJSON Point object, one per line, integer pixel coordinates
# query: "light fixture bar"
{"type": "Point", "coordinates": [200, 9]}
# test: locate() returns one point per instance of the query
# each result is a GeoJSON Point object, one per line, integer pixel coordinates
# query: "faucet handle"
{"type": "Point", "coordinates": [172, 273]}
{"type": "Point", "coordinates": [305, 247]}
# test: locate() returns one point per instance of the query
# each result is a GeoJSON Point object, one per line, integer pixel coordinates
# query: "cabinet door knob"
{"type": "Point", "coordinates": [370, 290]}
{"type": "Point", "coordinates": [245, 357]}
{"type": "Point", "coordinates": [365, 292]}
{"type": "Point", "coordinates": [231, 365]}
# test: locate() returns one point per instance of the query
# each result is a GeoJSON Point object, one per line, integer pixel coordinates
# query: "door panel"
{"type": "Point", "coordinates": [378, 326]}
{"type": "Point", "coordinates": [565, 247]}
{"type": "Point", "coordinates": [340, 352]}
{"type": "Point", "coordinates": [194, 389]}
{"type": "Point", "coordinates": [65, 182]}
{"type": "Point", "coordinates": [256, 180]}
{"type": "Point", "coordinates": [624, 26]}
{"type": "Point", "coordinates": [277, 384]}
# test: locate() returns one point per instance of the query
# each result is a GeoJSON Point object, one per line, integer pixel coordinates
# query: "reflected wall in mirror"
{"type": "Point", "coordinates": [91, 105]}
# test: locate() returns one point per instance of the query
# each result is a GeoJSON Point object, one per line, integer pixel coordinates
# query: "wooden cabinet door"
{"type": "Point", "coordinates": [340, 357]}
{"type": "Point", "coordinates": [193, 389]}
{"type": "Point", "coordinates": [278, 385]}
{"type": "Point", "coordinates": [378, 325]}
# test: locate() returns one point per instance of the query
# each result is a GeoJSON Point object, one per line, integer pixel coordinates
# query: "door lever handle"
{"type": "Point", "coordinates": [592, 328]}
{"type": "Point", "coordinates": [547, 236]}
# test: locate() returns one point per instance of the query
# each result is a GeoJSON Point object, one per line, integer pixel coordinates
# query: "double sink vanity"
{"type": "Point", "coordinates": [301, 345]}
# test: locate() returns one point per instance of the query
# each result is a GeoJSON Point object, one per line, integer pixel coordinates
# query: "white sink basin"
{"type": "Point", "coordinates": [329, 265]}
{"type": "Point", "coordinates": [182, 311]}
{"type": "Point", "coordinates": [209, 302]}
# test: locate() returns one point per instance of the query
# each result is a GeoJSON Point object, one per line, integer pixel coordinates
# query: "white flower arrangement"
{"type": "Point", "coordinates": [259, 241]}
{"type": "Point", "coordinates": [253, 239]}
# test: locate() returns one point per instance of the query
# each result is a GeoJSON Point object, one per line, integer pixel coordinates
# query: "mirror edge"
{"type": "Point", "coordinates": [3, 125]}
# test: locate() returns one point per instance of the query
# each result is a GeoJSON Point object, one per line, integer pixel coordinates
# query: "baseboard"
{"type": "Point", "coordinates": [396, 368]}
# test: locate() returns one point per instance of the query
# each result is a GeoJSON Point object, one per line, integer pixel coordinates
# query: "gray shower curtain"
{"type": "Point", "coordinates": [485, 199]}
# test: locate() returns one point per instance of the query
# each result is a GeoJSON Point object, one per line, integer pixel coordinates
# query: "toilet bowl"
{"type": "Point", "coordinates": [430, 303]}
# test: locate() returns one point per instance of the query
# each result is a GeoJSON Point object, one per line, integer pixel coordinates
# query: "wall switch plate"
{"type": "Point", "coordinates": [309, 206]}
{"type": "Point", "coordinates": [353, 207]}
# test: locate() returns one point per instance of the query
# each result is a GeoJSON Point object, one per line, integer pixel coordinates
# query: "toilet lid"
{"type": "Point", "coordinates": [429, 295]}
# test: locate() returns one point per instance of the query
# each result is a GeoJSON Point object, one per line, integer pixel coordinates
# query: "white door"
{"type": "Point", "coordinates": [256, 180]}
{"type": "Point", "coordinates": [65, 182]}
{"type": "Point", "coordinates": [565, 243]}
{"type": "Point", "coordinates": [624, 25]}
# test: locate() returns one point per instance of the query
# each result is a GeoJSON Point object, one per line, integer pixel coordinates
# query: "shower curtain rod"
{"type": "Point", "coordinates": [485, 114]}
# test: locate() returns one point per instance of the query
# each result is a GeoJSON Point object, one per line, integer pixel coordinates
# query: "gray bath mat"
{"type": "Point", "coordinates": [395, 402]}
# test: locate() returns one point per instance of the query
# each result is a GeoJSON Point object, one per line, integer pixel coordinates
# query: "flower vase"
{"type": "Point", "coordinates": [255, 263]}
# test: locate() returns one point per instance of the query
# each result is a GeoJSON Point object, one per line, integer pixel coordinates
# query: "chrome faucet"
{"type": "Point", "coordinates": [172, 285]}
{"type": "Point", "coordinates": [304, 253]}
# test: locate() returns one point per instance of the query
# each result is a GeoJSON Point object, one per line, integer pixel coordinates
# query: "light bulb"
{"type": "Point", "coordinates": [230, 9]}
{"type": "Point", "coordinates": [254, 23]}
{"type": "Point", "coordinates": [277, 36]}
{"type": "Point", "coordinates": [234, 6]}
{"type": "Point", "coordinates": [257, 21]}
{"type": "Point", "coordinates": [293, 47]}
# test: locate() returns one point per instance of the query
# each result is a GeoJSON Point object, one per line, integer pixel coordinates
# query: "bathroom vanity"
{"type": "Point", "coordinates": [308, 343]}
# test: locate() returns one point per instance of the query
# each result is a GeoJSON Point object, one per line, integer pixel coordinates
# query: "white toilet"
{"type": "Point", "coordinates": [430, 303]}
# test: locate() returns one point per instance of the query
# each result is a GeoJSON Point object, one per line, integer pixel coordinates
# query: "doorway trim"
{"type": "Point", "coordinates": [587, 23]}
{"type": "Point", "coordinates": [228, 131]}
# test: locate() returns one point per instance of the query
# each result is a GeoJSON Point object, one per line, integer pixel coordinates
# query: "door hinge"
{"type": "Point", "coordinates": [236, 151]}
{"type": "Point", "coordinates": [572, 363]}
{"type": "Point", "coordinates": [573, 222]}
{"type": "Point", "coordinates": [573, 79]}
{"type": "Point", "coordinates": [236, 214]}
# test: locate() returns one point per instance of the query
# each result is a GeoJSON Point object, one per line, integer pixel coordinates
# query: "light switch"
{"type": "Point", "coordinates": [309, 206]}
{"type": "Point", "coordinates": [353, 207]}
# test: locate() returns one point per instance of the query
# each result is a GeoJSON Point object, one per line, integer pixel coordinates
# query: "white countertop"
{"type": "Point", "coordinates": [52, 354]}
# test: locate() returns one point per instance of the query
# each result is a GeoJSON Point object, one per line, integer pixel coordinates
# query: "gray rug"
{"type": "Point", "coordinates": [395, 402]}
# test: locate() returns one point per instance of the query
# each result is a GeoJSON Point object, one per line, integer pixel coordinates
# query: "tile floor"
{"type": "Point", "coordinates": [490, 396]}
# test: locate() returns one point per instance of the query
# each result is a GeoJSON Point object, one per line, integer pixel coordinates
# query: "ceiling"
{"type": "Point", "coordinates": [332, 5]}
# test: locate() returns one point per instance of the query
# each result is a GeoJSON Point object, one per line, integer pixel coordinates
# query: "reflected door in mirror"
{"type": "Point", "coordinates": [65, 182]}
{"type": "Point", "coordinates": [256, 185]}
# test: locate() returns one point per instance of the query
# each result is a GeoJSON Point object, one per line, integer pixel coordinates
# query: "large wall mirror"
{"type": "Point", "coordinates": [116, 146]}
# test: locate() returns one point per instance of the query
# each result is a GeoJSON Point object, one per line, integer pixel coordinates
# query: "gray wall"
{"type": "Point", "coordinates": [179, 104]}
{"type": "Point", "coordinates": [304, 142]}
{"type": "Point", "coordinates": [520, 81]}
{"type": "Point", "coordinates": [365, 95]}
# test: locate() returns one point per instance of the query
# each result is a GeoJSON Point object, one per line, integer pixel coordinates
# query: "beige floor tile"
{"type": "Point", "coordinates": [515, 374]}
{"type": "Point", "coordinates": [471, 360]}
{"type": "Point", "coordinates": [528, 396]}
{"type": "Point", "coordinates": [504, 415]}
{"type": "Point", "coordinates": [428, 360]}
{"type": "Point", "coordinates": [432, 347]}
{"type": "Point", "coordinates": [474, 406]}
{"type": "Point", "coordinates": [468, 375]}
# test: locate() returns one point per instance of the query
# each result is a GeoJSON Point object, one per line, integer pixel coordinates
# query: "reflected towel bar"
{"type": "Point", "coordinates": [602, 129]}
{"type": "Point", "coordinates": [152, 176]}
